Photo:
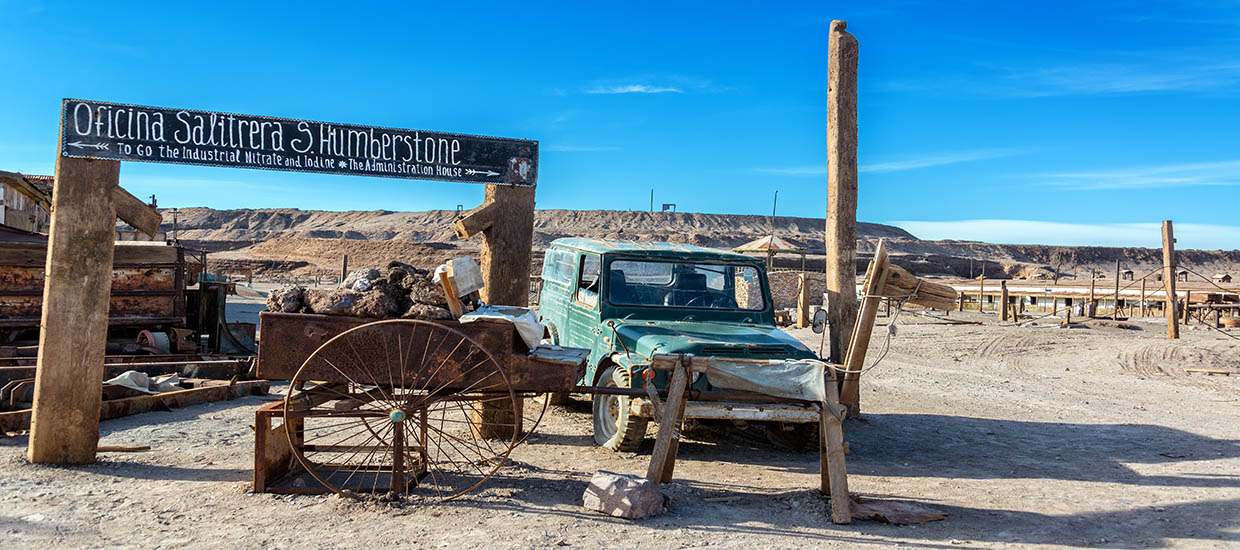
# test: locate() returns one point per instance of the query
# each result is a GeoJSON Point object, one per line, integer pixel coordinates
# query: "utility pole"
{"type": "Point", "coordinates": [1173, 322]}
{"type": "Point", "coordinates": [652, 200]}
{"type": "Point", "coordinates": [770, 249]}
{"type": "Point", "coordinates": [841, 229]}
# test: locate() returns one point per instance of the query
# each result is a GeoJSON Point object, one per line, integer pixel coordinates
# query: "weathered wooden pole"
{"type": "Point", "coordinates": [1173, 326]}
{"type": "Point", "coordinates": [1003, 301]}
{"type": "Point", "coordinates": [803, 301]}
{"type": "Point", "coordinates": [344, 268]}
{"type": "Point", "coordinates": [1143, 296]}
{"type": "Point", "coordinates": [64, 426]}
{"type": "Point", "coordinates": [981, 291]}
{"type": "Point", "coordinates": [1188, 299]}
{"type": "Point", "coordinates": [506, 221]}
{"type": "Point", "coordinates": [841, 238]}
{"type": "Point", "coordinates": [1091, 308]}
{"type": "Point", "coordinates": [1115, 311]}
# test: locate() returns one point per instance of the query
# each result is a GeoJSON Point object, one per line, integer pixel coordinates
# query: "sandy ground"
{"type": "Point", "coordinates": [1024, 436]}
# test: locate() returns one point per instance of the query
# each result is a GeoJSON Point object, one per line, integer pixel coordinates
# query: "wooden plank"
{"type": "Point", "coordinates": [841, 236]}
{"type": "Point", "coordinates": [449, 292]}
{"type": "Point", "coordinates": [137, 214]}
{"type": "Point", "coordinates": [833, 471]}
{"type": "Point", "coordinates": [1003, 301]}
{"type": "Point", "coordinates": [662, 460]}
{"type": "Point", "coordinates": [65, 418]}
{"type": "Point", "coordinates": [802, 301]}
{"type": "Point", "coordinates": [850, 394]}
{"type": "Point", "coordinates": [1173, 323]}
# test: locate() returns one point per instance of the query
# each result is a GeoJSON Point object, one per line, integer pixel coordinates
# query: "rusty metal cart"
{"type": "Point", "coordinates": [397, 407]}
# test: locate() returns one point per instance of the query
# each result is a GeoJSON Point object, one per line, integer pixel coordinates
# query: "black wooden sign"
{"type": "Point", "coordinates": [100, 130]}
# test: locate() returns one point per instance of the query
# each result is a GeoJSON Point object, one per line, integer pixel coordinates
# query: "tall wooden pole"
{"type": "Point", "coordinates": [1115, 311]}
{"type": "Point", "coordinates": [1090, 308]}
{"type": "Point", "coordinates": [1173, 323]}
{"type": "Point", "coordinates": [981, 291]}
{"type": "Point", "coordinates": [1143, 296]}
{"type": "Point", "coordinates": [802, 301]}
{"type": "Point", "coordinates": [841, 239]}
{"type": "Point", "coordinates": [1003, 301]}
{"type": "Point", "coordinates": [64, 426]}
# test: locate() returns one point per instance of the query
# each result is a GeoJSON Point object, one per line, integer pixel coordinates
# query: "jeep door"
{"type": "Point", "coordinates": [583, 311]}
{"type": "Point", "coordinates": [559, 278]}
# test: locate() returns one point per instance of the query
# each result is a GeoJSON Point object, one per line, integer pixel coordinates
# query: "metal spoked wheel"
{"type": "Point", "coordinates": [402, 408]}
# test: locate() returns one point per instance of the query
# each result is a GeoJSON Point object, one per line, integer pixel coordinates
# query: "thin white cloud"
{"type": "Point", "coordinates": [580, 148]}
{"type": "Point", "coordinates": [928, 160]}
{"type": "Point", "coordinates": [913, 162]}
{"type": "Point", "coordinates": [1142, 234]}
{"type": "Point", "coordinates": [634, 89]}
{"type": "Point", "coordinates": [1125, 78]}
{"type": "Point", "coordinates": [1197, 174]}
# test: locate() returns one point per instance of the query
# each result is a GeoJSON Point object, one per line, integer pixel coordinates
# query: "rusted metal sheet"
{"type": "Point", "coordinates": [204, 391]}
{"type": "Point", "coordinates": [735, 411]}
{"type": "Point", "coordinates": [288, 339]}
{"type": "Point", "coordinates": [147, 284]}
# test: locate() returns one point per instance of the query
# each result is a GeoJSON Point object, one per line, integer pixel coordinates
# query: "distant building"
{"type": "Point", "coordinates": [1182, 275]}
{"type": "Point", "coordinates": [1126, 275]}
{"type": "Point", "coordinates": [1221, 278]}
{"type": "Point", "coordinates": [26, 202]}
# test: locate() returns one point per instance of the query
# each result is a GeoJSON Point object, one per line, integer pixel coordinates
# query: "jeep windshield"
{"type": "Point", "coordinates": [719, 286]}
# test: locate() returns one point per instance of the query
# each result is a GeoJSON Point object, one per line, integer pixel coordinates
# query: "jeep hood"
{"type": "Point", "coordinates": [645, 338]}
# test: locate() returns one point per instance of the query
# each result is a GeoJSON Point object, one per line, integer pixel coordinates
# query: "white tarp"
{"type": "Point", "coordinates": [524, 318]}
{"type": "Point", "coordinates": [801, 379]}
{"type": "Point", "coordinates": [139, 381]}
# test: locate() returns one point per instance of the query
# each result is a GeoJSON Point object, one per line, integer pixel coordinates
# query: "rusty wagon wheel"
{"type": "Point", "coordinates": [402, 408]}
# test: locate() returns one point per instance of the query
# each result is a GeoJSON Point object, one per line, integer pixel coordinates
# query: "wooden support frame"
{"type": "Point", "coordinates": [875, 281]}
{"type": "Point", "coordinates": [1173, 322]}
{"type": "Point", "coordinates": [667, 442]}
{"type": "Point", "coordinates": [831, 462]}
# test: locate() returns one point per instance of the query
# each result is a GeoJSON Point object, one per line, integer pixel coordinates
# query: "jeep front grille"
{"type": "Point", "coordinates": [761, 352]}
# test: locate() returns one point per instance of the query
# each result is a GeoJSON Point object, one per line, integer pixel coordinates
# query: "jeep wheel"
{"type": "Point", "coordinates": [614, 427]}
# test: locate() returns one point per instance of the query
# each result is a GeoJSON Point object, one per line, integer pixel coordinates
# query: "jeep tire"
{"type": "Point", "coordinates": [614, 427]}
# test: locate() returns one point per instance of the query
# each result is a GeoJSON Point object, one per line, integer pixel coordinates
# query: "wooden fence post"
{"type": "Point", "coordinates": [64, 426]}
{"type": "Point", "coordinates": [1003, 301]}
{"type": "Point", "coordinates": [1115, 310]}
{"type": "Point", "coordinates": [1173, 326]}
{"type": "Point", "coordinates": [841, 238]}
{"type": "Point", "coordinates": [803, 301]}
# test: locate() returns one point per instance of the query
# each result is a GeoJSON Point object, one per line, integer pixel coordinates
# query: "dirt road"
{"type": "Point", "coordinates": [1025, 437]}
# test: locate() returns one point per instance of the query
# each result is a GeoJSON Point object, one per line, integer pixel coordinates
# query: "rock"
{"type": "Point", "coordinates": [287, 299]}
{"type": "Point", "coordinates": [423, 291]}
{"type": "Point", "coordinates": [624, 496]}
{"type": "Point", "coordinates": [376, 305]}
{"type": "Point", "coordinates": [426, 313]}
{"type": "Point", "coordinates": [368, 273]}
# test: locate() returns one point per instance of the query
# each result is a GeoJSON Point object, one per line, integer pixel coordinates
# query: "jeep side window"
{"type": "Point", "coordinates": [588, 281]}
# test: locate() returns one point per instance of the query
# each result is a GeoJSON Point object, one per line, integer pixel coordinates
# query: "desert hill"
{"type": "Point", "coordinates": [314, 241]}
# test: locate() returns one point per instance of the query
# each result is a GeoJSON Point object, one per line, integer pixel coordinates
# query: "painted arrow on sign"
{"type": "Point", "coordinates": [472, 172]}
{"type": "Point", "coordinates": [100, 146]}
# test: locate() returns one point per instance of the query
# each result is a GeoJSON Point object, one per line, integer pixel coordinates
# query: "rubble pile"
{"type": "Point", "coordinates": [399, 291]}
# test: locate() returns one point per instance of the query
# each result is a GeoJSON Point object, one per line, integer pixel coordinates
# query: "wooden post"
{"type": "Point", "coordinates": [64, 426]}
{"type": "Point", "coordinates": [833, 472]}
{"type": "Point", "coordinates": [803, 301]}
{"type": "Point", "coordinates": [841, 238]}
{"type": "Point", "coordinates": [1143, 296]}
{"type": "Point", "coordinates": [875, 280]}
{"type": "Point", "coordinates": [1173, 326]}
{"type": "Point", "coordinates": [344, 268]}
{"type": "Point", "coordinates": [1090, 307]}
{"type": "Point", "coordinates": [1003, 301]}
{"type": "Point", "coordinates": [981, 291]}
{"type": "Point", "coordinates": [506, 221]}
{"type": "Point", "coordinates": [663, 458]}
{"type": "Point", "coordinates": [1115, 311]}
{"type": "Point", "coordinates": [1188, 298]}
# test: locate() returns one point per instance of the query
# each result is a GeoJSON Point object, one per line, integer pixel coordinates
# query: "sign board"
{"type": "Point", "coordinates": [112, 131]}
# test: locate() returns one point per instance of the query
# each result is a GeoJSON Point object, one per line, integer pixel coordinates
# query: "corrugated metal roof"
{"type": "Point", "coordinates": [609, 246]}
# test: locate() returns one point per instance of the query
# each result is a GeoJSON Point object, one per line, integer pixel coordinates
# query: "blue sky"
{"type": "Point", "coordinates": [1057, 123]}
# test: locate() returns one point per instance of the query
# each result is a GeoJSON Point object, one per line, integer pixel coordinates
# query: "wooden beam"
{"type": "Point", "coordinates": [850, 395]}
{"type": "Point", "coordinates": [666, 443]}
{"type": "Point", "coordinates": [65, 419]}
{"type": "Point", "coordinates": [477, 220]}
{"type": "Point", "coordinates": [137, 214]}
{"type": "Point", "coordinates": [841, 239]}
{"type": "Point", "coordinates": [1173, 323]}
{"type": "Point", "coordinates": [832, 469]}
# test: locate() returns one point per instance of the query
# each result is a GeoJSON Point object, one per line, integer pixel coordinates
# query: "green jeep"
{"type": "Point", "coordinates": [628, 301]}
